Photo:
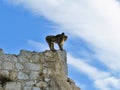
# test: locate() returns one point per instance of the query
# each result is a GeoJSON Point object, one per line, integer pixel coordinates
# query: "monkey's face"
{"type": "Point", "coordinates": [65, 38]}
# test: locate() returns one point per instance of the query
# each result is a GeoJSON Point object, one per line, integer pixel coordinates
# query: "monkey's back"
{"type": "Point", "coordinates": [56, 39]}
{"type": "Point", "coordinates": [50, 38]}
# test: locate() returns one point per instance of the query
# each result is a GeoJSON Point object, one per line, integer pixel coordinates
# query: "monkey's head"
{"type": "Point", "coordinates": [65, 37]}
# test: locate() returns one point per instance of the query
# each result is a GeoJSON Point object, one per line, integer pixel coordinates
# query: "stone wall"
{"type": "Point", "coordinates": [32, 70]}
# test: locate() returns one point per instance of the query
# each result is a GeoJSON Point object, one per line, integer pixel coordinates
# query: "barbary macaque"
{"type": "Point", "coordinates": [59, 39]}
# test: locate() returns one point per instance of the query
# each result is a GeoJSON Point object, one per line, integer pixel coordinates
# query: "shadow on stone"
{"type": "Point", "coordinates": [4, 80]}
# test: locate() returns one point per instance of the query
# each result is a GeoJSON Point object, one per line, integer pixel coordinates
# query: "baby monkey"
{"type": "Point", "coordinates": [59, 39]}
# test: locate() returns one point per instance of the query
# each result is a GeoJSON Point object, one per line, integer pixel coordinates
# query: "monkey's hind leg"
{"type": "Point", "coordinates": [51, 46]}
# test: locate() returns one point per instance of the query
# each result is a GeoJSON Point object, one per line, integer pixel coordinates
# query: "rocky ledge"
{"type": "Point", "coordinates": [30, 70]}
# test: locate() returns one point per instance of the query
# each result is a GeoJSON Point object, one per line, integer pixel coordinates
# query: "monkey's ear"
{"type": "Point", "coordinates": [63, 33]}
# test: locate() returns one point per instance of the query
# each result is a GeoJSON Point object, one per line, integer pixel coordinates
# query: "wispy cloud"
{"type": "Point", "coordinates": [103, 80]}
{"type": "Point", "coordinates": [37, 45]}
{"type": "Point", "coordinates": [96, 22]}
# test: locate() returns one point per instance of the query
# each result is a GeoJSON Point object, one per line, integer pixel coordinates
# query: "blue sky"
{"type": "Point", "coordinates": [92, 27]}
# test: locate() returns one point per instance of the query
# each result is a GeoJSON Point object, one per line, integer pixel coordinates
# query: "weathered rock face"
{"type": "Point", "coordinates": [35, 71]}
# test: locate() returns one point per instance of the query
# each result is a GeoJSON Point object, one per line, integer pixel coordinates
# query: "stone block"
{"type": "Point", "coordinates": [19, 66]}
{"type": "Point", "coordinates": [36, 88]}
{"type": "Point", "coordinates": [26, 54]}
{"type": "Point", "coordinates": [8, 65]}
{"type": "Point", "coordinates": [34, 75]}
{"type": "Point", "coordinates": [22, 76]}
{"type": "Point", "coordinates": [32, 66]}
{"type": "Point", "coordinates": [36, 58]}
{"type": "Point", "coordinates": [22, 59]}
{"type": "Point", "coordinates": [62, 55]}
{"type": "Point", "coordinates": [13, 86]}
{"type": "Point", "coordinates": [49, 53]}
{"type": "Point", "coordinates": [30, 83]}
{"type": "Point", "coordinates": [11, 58]}
{"type": "Point", "coordinates": [27, 88]}
{"type": "Point", "coordinates": [4, 72]}
{"type": "Point", "coordinates": [13, 75]}
{"type": "Point", "coordinates": [42, 85]}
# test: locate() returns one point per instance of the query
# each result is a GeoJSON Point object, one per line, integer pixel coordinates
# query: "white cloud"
{"type": "Point", "coordinates": [109, 83]}
{"type": "Point", "coordinates": [102, 80]}
{"type": "Point", "coordinates": [96, 21]}
{"type": "Point", "coordinates": [86, 68]}
{"type": "Point", "coordinates": [37, 45]}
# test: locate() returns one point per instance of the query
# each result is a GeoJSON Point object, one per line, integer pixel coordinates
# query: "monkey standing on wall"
{"type": "Point", "coordinates": [59, 39]}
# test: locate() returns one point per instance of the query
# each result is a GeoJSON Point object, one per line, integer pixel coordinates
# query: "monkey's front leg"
{"type": "Point", "coordinates": [60, 46]}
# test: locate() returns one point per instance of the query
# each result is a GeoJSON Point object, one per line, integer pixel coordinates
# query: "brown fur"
{"type": "Point", "coordinates": [59, 39]}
